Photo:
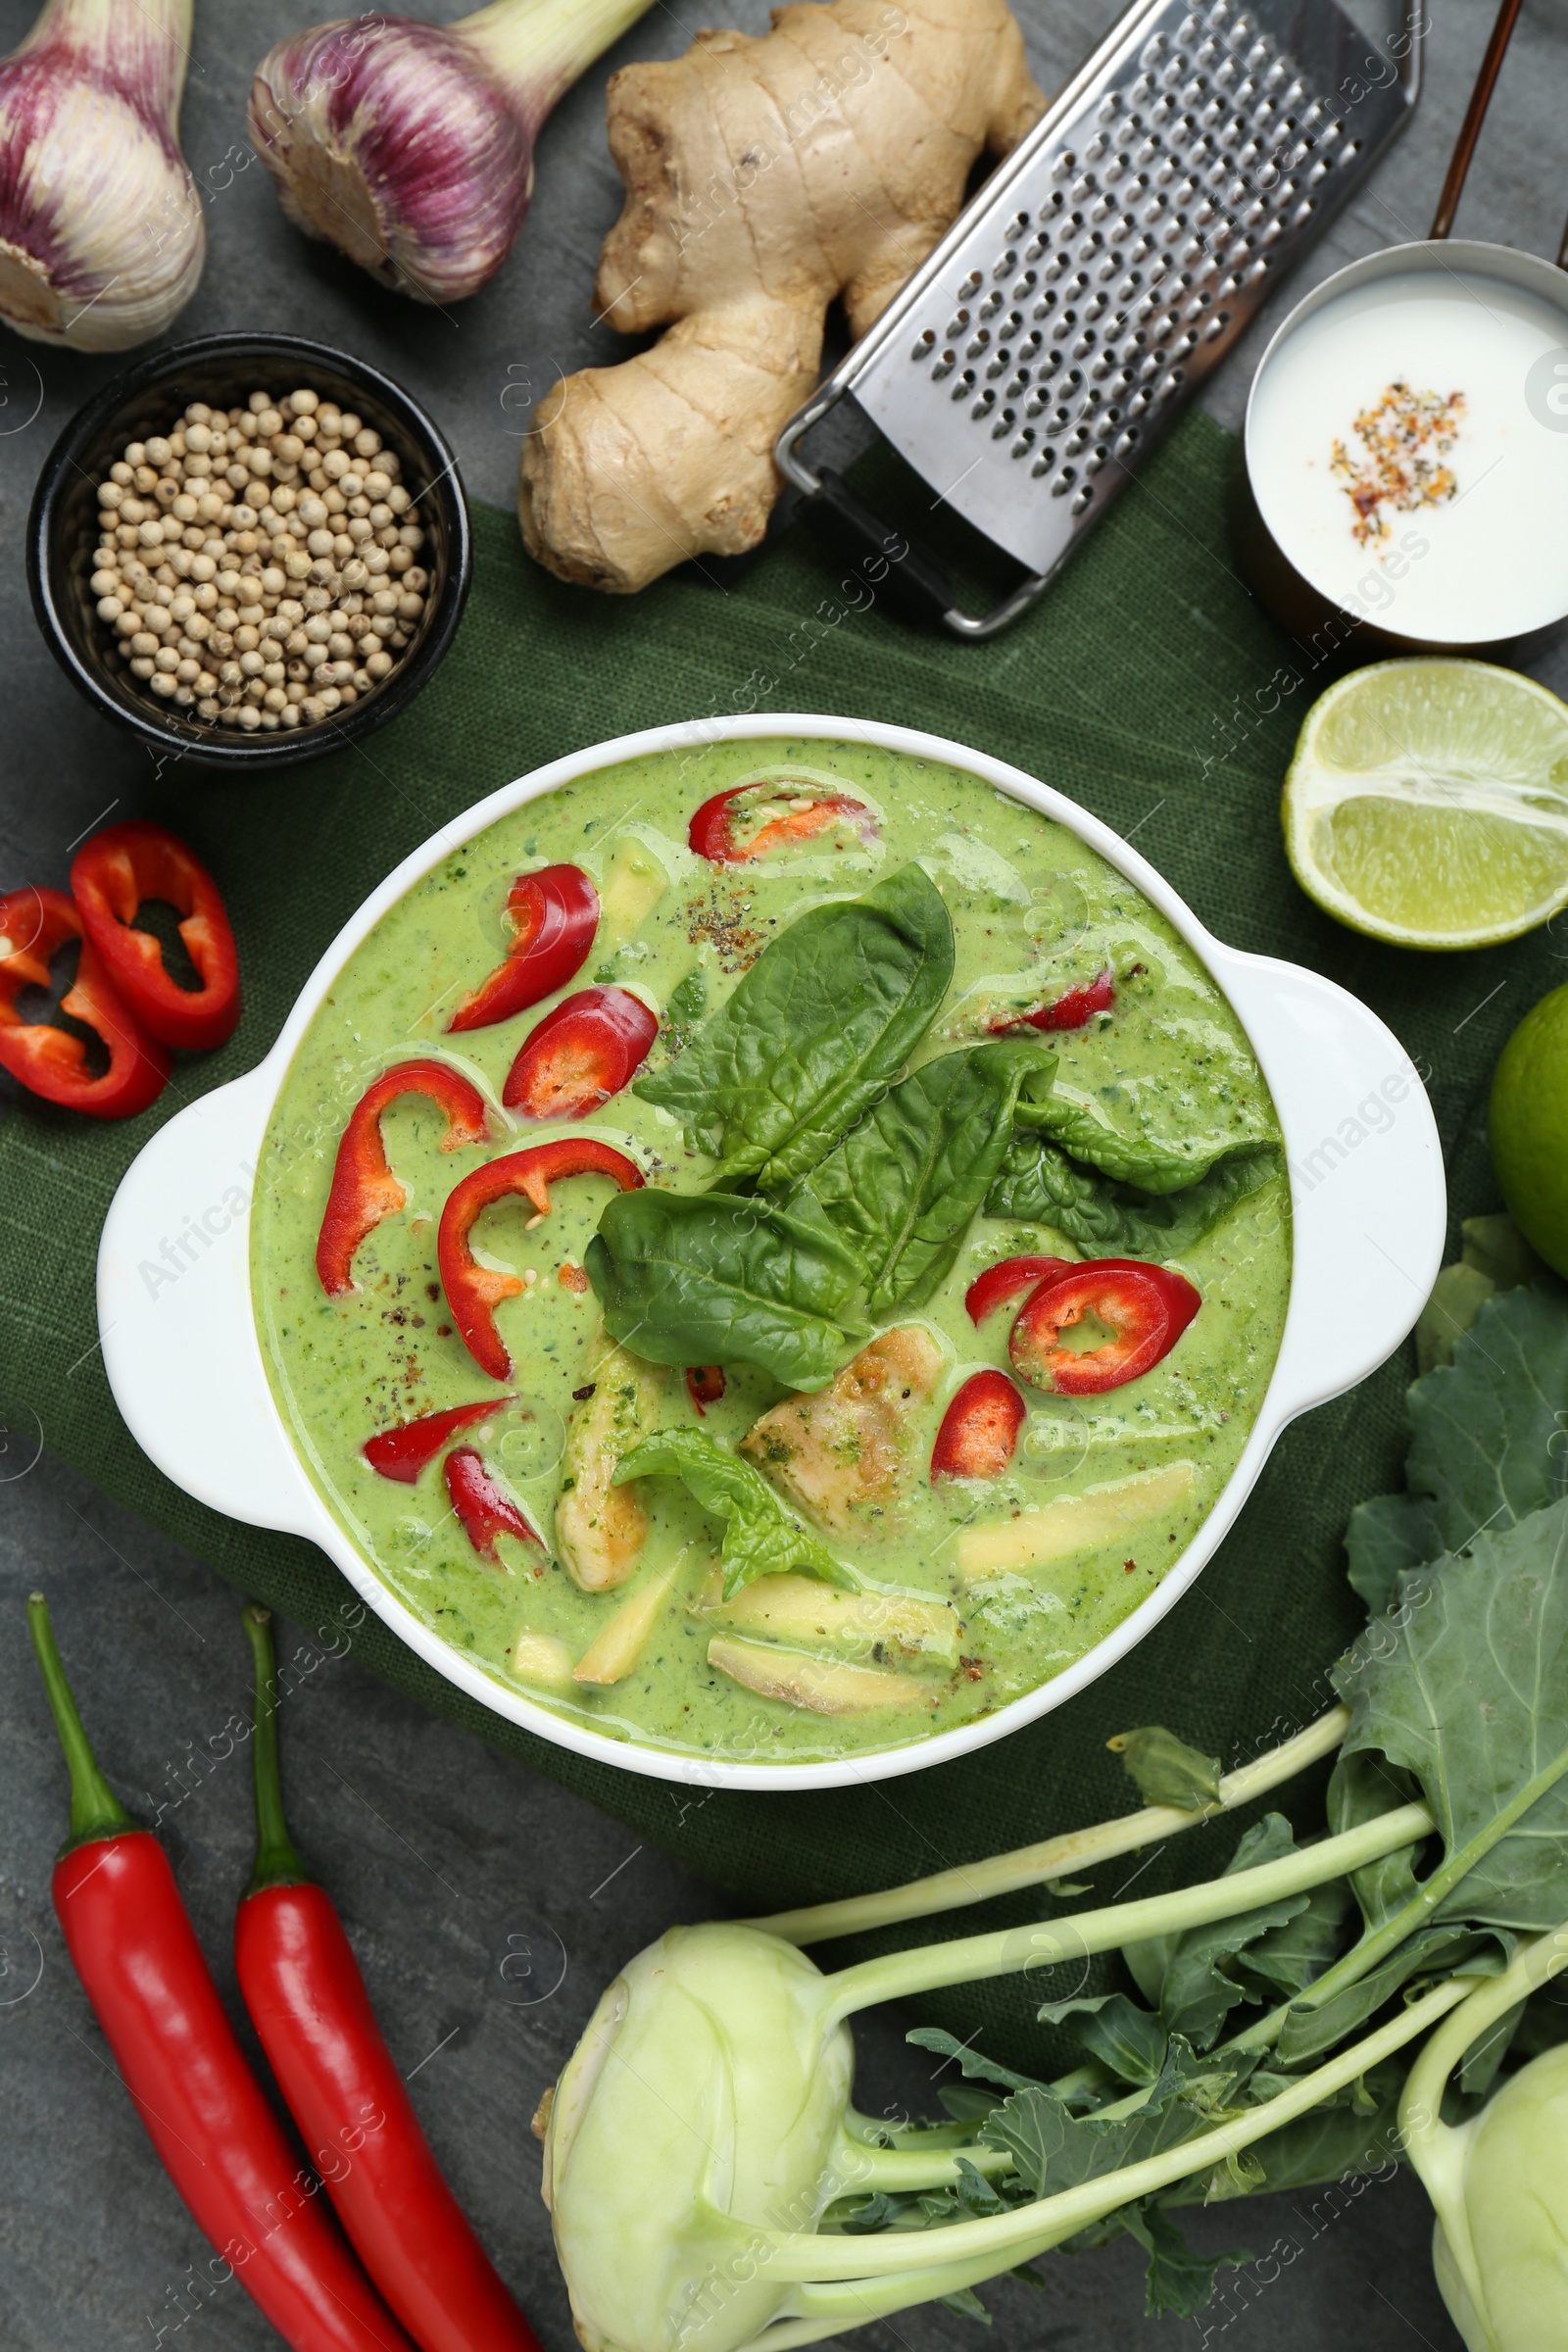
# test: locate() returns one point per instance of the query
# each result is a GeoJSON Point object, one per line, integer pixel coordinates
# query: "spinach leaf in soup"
{"type": "Point", "coordinates": [829, 1013]}
{"type": "Point", "coordinates": [761, 1537]}
{"type": "Point", "coordinates": [905, 1184]}
{"type": "Point", "coordinates": [719, 1278]}
{"type": "Point", "coordinates": [1040, 1185]}
{"type": "Point", "coordinates": [1075, 1122]}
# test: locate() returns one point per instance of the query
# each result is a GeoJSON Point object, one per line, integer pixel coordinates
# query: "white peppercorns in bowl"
{"type": "Point", "coordinates": [258, 565]}
{"type": "Point", "coordinates": [249, 575]}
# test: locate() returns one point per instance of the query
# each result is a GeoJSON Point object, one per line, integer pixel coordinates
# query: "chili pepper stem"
{"type": "Point", "coordinates": [95, 1810]}
{"type": "Point", "coordinates": [278, 1864]}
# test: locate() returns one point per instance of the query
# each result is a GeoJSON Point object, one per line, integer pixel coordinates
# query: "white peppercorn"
{"type": "Point", "coordinates": [255, 566]}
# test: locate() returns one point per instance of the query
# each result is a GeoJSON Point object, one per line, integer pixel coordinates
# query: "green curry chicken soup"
{"type": "Point", "coordinates": [772, 1249]}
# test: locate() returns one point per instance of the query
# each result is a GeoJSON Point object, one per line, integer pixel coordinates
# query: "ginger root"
{"type": "Point", "coordinates": [763, 177]}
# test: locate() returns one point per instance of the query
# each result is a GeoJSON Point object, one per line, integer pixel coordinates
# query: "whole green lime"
{"type": "Point", "coordinates": [1528, 1125]}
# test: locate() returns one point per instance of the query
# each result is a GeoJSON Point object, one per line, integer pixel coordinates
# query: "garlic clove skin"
{"type": "Point", "coordinates": [101, 238]}
{"type": "Point", "coordinates": [395, 141]}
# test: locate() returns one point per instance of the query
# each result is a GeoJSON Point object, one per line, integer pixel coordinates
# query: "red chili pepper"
{"type": "Point", "coordinates": [1005, 1280]}
{"type": "Point", "coordinates": [555, 912]}
{"type": "Point", "coordinates": [474, 1292]}
{"type": "Point", "coordinates": [583, 1051]}
{"type": "Point", "coordinates": [112, 875]}
{"type": "Point", "coordinates": [711, 832]}
{"type": "Point", "coordinates": [979, 1429]}
{"type": "Point", "coordinates": [52, 1062]}
{"type": "Point", "coordinates": [483, 1505]}
{"type": "Point", "coordinates": [1069, 1011]}
{"type": "Point", "coordinates": [363, 1187]}
{"type": "Point", "coordinates": [704, 1384]}
{"type": "Point", "coordinates": [405, 1451]}
{"type": "Point", "coordinates": [1146, 1307]}
{"type": "Point", "coordinates": [311, 2013]}
{"type": "Point", "coordinates": [134, 1947]}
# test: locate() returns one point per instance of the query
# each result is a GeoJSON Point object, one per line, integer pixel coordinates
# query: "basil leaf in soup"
{"type": "Point", "coordinates": [762, 1537]}
{"type": "Point", "coordinates": [903, 1185]}
{"type": "Point", "coordinates": [717, 1278]}
{"type": "Point", "coordinates": [1040, 1186]}
{"type": "Point", "coordinates": [830, 1011]}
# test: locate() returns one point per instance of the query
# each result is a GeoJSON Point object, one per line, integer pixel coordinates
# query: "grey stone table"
{"type": "Point", "coordinates": [438, 1850]}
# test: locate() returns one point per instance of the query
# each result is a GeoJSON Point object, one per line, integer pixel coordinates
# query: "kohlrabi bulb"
{"type": "Point", "coordinates": [703, 2105]}
{"type": "Point", "coordinates": [1501, 2250]}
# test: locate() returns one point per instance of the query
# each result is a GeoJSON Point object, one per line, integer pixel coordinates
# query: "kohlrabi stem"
{"type": "Point", "coordinates": [1438, 2150]}
{"type": "Point", "coordinates": [1057, 1857]}
{"type": "Point", "coordinates": [862, 2168]}
{"type": "Point", "coordinates": [962, 1960]}
{"type": "Point", "coordinates": [539, 47]}
{"type": "Point", "coordinates": [1379, 1942]}
{"type": "Point", "coordinates": [837, 2273]}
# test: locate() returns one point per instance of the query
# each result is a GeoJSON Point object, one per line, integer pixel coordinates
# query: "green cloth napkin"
{"type": "Point", "coordinates": [1147, 687]}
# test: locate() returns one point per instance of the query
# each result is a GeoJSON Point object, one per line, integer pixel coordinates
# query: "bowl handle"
{"type": "Point", "coordinates": [1368, 1199]}
{"type": "Point", "coordinates": [175, 1316]}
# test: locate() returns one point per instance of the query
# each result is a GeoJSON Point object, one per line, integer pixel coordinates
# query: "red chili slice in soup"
{"type": "Point", "coordinates": [484, 1508]}
{"type": "Point", "coordinates": [1145, 1310]}
{"type": "Point", "coordinates": [555, 913]}
{"type": "Point", "coordinates": [715, 831]}
{"type": "Point", "coordinates": [979, 1429]}
{"type": "Point", "coordinates": [1006, 1280]}
{"type": "Point", "coordinates": [580, 1055]}
{"type": "Point", "coordinates": [405, 1451]}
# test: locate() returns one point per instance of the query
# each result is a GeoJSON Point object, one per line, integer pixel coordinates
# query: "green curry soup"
{"type": "Point", "coordinates": [1151, 1138]}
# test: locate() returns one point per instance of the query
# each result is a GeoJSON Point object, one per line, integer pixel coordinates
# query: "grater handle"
{"type": "Point", "coordinates": [918, 589]}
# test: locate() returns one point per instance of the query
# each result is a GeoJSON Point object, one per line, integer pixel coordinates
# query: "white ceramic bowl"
{"type": "Point", "coordinates": [185, 1364]}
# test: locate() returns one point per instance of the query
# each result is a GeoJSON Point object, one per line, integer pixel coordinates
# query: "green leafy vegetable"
{"type": "Point", "coordinates": [973, 2064]}
{"type": "Point", "coordinates": [1041, 1184]}
{"type": "Point", "coordinates": [1179, 2283]}
{"type": "Point", "coordinates": [1116, 2032]}
{"type": "Point", "coordinates": [1166, 1770]}
{"type": "Point", "coordinates": [830, 1011]}
{"type": "Point", "coordinates": [1465, 1685]}
{"type": "Point", "coordinates": [715, 1278]}
{"type": "Point", "coordinates": [1197, 1993]}
{"type": "Point", "coordinates": [1487, 1444]}
{"type": "Point", "coordinates": [1081, 1124]}
{"type": "Point", "coordinates": [903, 1187]}
{"type": "Point", "coordinates": [760, 1537]}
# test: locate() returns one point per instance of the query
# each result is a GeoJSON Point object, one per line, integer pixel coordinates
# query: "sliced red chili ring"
{"type": "Point", "coordinates": [583, 1051]}
{"type": "Point", "coordinates": [555, 912]}
{"type": "Point", "coordinates": [1005, 1280]}
{"type": "Point", "coordinates": [704, 1384]}
{"type": "Point", "coordinates": [410, 1448]}
{"type": "Point", "coordinates": [1146, 1309]}
{"type": "Point", "coordinates": [474, 1292]}
{"type": "Point", "coordinates": [52, 1062]}
{"type": "Point", "coordinates": [112, 876]}
{"type": "Point", "coordinates": [979, 1429]}
{"type": "Point", "coordinates": [712, 835]}
{"type": "Point", "coordinates": [1069, 1011]}
{"type": "Point", "coordinates": [363, 1187]}
{"type": "Point", "coordinates": [483, 1507]}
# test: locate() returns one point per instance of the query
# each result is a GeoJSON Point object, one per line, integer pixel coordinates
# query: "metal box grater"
{"type": "Point", "coordinates": [1105, 268]}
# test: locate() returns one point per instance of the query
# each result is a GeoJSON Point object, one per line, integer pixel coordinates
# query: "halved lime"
{"type": "Point", "coordinates": [1427, 804]}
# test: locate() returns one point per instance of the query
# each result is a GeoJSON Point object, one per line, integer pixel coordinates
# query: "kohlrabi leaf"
{"type": "Point", "coordinates": [1040, 1185]}
{"type": "Point", "coordinates": [1293, 1956]}
{"type": "Point", "coordinates": [1485, 1446]}
{"type": "Point", "coordinates": [1362, 1789]}
{"type": "Point", "coordinates": [973, 2064]}
{"type": "Point", "coordinates": [1128, 2039]}
{"type": "Point", "coordinates": [1054, 2149]}
{"type": "Point", "coordinates": [1465, 1683]}
{"type": "Point", "coordinates": [827, 1015]}
{"type": "Point", "coordinates": [1197, 1993]}
{"type": "Point", "coordinates": [1430, 1952]}
{"type": "Point", "coordinates": [1166, 1771]}
{"type": "Point", "coordinates": [1179, 2283]}
{"type": "Point", "coordinates": [904, 1187]}
{"type": "Point", "coordinates": [719, 1278]}
{"type": "Point", "coordinates": [761, 1537]}
{"type": "Point", "coordinates": [1339, 2138]}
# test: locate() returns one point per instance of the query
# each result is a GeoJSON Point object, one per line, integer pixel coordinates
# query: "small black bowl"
{"type": "Point", "coordinates": [147, 399]}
